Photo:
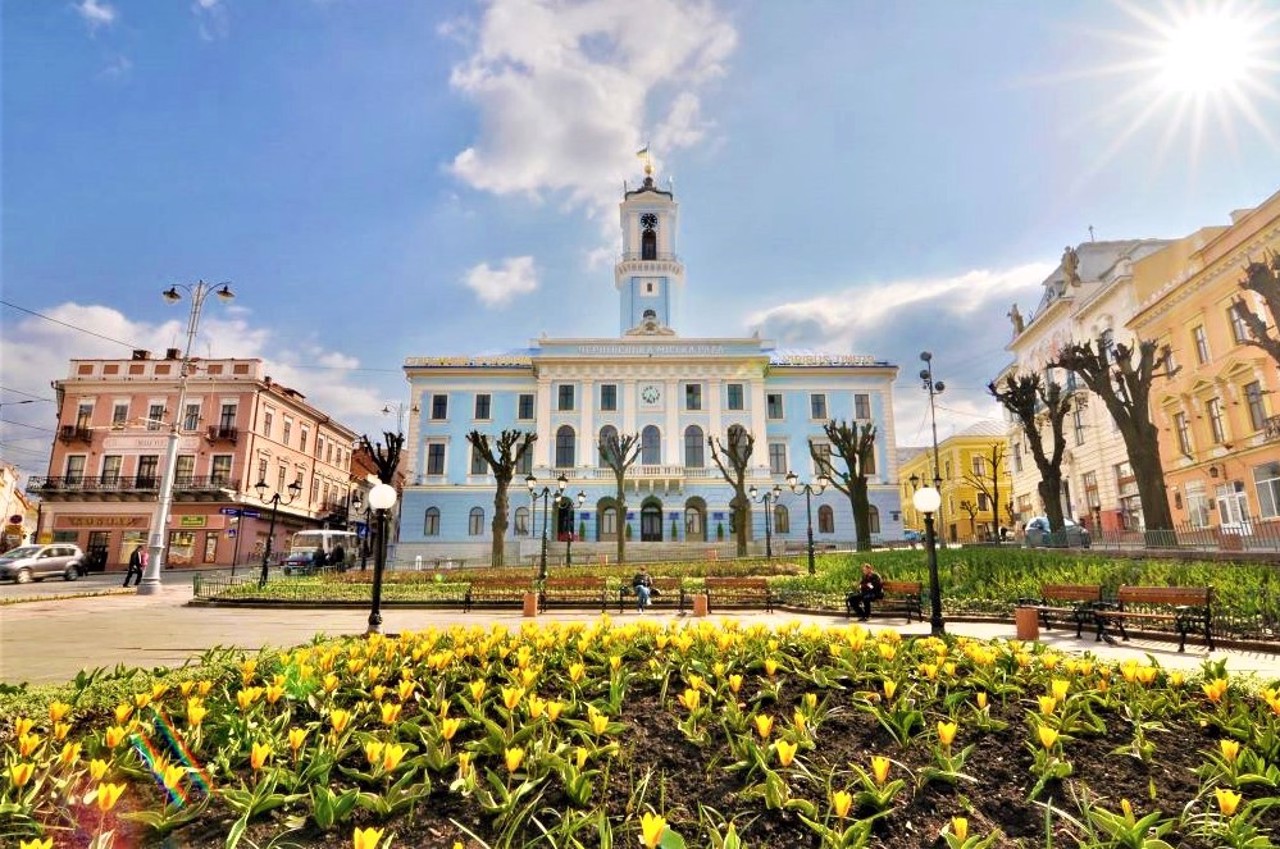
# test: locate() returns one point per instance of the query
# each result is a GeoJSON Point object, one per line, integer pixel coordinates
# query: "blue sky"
{"type": "Point", "coordinates": [382, 179]}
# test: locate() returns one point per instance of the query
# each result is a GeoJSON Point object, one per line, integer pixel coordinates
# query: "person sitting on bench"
{"type": "Point", "coordinates": [870, 589]}
{"type": "Point", "coordinates": [642, 584]}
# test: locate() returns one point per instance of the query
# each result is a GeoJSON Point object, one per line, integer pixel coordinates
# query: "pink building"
{"type": "Point", "coordinates": [237, 427]}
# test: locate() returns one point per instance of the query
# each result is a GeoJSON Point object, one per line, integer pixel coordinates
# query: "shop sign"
{"type": "Point", "coordinates": [102, 521]}
{"type": "Point", "coordinates": [192, 521]}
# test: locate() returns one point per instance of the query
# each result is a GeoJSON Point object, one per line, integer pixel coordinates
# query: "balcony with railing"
{"type": "Point", "coordinates": [75, 433]}
{"type": "Point", "coordinates": [1271, 429]}
{"type": "Point", "coordinates": [119, 485]}
{"type": "Point", "coordinates": [222, 433]}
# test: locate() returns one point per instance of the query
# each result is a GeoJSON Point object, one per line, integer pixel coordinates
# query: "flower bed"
{"type": "Point", "coordinates": [711, 733]}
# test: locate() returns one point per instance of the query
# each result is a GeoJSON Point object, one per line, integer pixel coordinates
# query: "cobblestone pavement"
{"type": "Point", "coordinates": [50, 641]}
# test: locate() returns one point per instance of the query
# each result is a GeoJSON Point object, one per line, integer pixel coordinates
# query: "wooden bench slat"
{"type": "Point", "coordinates": [899, 597]}
{"type": "Point", "coordinates": [1187, 607]}
{"type": "Point", "coordinates": [670, 591]}
{"type": "Point", "coordinates": [1050, 608]}
{"type": "Point", "coordinates": [741, 590]}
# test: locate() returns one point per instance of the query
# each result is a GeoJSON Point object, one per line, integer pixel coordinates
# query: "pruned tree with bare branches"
{"type": "Point", "coordinates": [1263, 278]}
{"type": "Point", "coordinates": [737, 454]}
{"type": "Point", "coordinates": [856, 447]}
{"type": "Point", "coordinates": [619, 453]}
{"type": "Point", "coordinates": [503, 454]}
{"type": "Point", "coordinates": [1122, 377]}
{"type": "Point", "coordinates": [1035, 403]}
{"type": "Point", "coordinates": [990, 485]}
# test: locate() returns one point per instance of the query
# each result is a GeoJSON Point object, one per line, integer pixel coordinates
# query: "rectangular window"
{"type": "Point", "coordinates": [220, 470]}
{"type": "Point", "coordinates": [184, 470]}
{"type": "Point", "coordinates": [111, 465]}
{"type": "Point", "coordinates": [869, 467]}
{"type": "Point", "coordinates": [524, 410]}
{"type": "Point", "coordinates": [1239, 330]}
{"type": "Point", "coordinates": [564, 397]}
{"type": "Point", "coordinates": [287, 432]}
{"type": "Point", "coordinates": [75, 469]}
{"type": "Point", "coordinates": [262, 471]}
{"type": "Point", "coordinates": [479, 465]}
{"type": "Point", "coordinates": [1216, 422]}
{"type": "Point", "coordinates": [1266, 479]}
{"type": "Point", "coordinates": [120, 413]}
{"type": "Point", "coordinates": [303, 435]}
{"type": "Point", "coordinates": [1091, 495]}
{"type": "Point", "coordinates": [735, 396]}
{"type": "Point", "coordinates": [268, 418]}
{"type": "Point", "coordinates": [979, 466]}
{"type": "Point", "coordinates": [525, 467]}
{"type": "Point", "coordinates": [1184, 433]}
{"type": "Point", "coordinates": [609, 397]}
{"type": "Point", "coordinates": [1202, 344]}
{"type": "Point", "coordinates": [431, 527]}
{"type": "Point", "coordinates": [773, 405]}
{"type": "Point", "coordinates": [191, 418]}
{"type": "Point", "coordinates": [1077, 423]}
{"type": "Point", "coordinates": [818, 406]}
{"type": "Point", "coordinates": [227, 419]}
{"type": "Point", "coordinates": [439, 407]}
{"type": "Point", "coordinates": [155, 416]}
{"type": "Point", "coordinates": [778, 458]}
{"type": "Point", "coordinates": [1253, 397]}
{"type": "Point", "coordinates": [1017, 457]}
{"type": "Point", "coordinates": [281, 473]}
{"type": "Point", "coordinates": [1106, 348]}
{"type": "Point", "coordinates": [147, 465]}
{"type": "Point", "coordinates": [435, 458]}
{"type": "Point", "coordinates": [483, 403]}
{"type": "Point", "coordinates": [693, 396]}
{"type": "Point", "coordinates": [84, 414]}
{"type": "Point", "coordinates": [822, 463]}
{"type": "Point", "coordinates": [984, 503]}
{"type": "Point", "coordinates": [861, 406]}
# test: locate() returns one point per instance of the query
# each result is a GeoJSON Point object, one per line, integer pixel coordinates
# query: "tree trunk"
{"type": "Point", "coordinates": [501, 506]}
{"type": "Point", "coordinates": [622, 517]}
{"type": "Point", "coordinates": [1148, 471]}
{"type": "Point", "coordinates": [742, 515]}
{"type": "Point", "coordinates": [861, 511]}
{"type": "Point", "coordinates": [1050, 488]}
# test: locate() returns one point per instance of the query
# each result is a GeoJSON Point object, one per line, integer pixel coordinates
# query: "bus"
{"type": "Point", "coordinates": [304, 544]}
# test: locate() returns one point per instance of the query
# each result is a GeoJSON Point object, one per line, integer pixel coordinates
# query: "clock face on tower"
{"type": "Point", "coordinates": [650, 393]}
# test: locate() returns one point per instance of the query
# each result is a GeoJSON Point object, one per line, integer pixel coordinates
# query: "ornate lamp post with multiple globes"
{"type": "Point", "coordinates": [545, 495]}
{"type": "Point", "coordinates": [810, 490]}
{"type": "Point", "coordinates": [381, 499]}
{"type": "Point", "coordinates": [768, 499]}
{"type": "Point", "coordinates": [150, 582]}
{"type": "Point", "coordinates": [927, 501]}
{"type": "Point", "coordinates": [294, 489]}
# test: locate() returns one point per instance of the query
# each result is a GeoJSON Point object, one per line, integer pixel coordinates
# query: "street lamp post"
{"type": "Point", "coordinates": [927, 501]}
{"type": "Point", "coordinates": [768, 499]}
{"type": "Point", "coordinates": [567, 504]}
{"type": "Point", "coordinates": [545, 495]}
{"type": "Point", "coordinates": [809, 490]}
{"type": "Point", "coordinates": [150, 583]}
{"type": "Point", "coordinates": [381, 499]}
{"type": "Point", "coordinates": [934, 388]}
{"type": "Point", "coordinates": [294, 489]}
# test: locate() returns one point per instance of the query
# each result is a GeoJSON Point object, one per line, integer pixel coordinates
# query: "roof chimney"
{"type": "Point", "coordinates": [172, 353]}
{"type": "Point", "coordinates": [140, 354]}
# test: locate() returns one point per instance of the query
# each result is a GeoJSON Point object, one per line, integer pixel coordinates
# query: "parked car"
{"type": "Point", "coordinates": [1038, 535]}
{"type": "Point", "coordinates": [28, 563]}
{"type": "Point", "coordinates": [912, 536]}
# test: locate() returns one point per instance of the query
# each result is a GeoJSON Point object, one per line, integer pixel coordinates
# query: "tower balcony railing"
{"type": "Point", "coordinates": [637, 256]}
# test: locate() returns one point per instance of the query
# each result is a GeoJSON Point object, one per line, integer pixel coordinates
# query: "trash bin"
{"type": "Point", "coordinates": [1027, 623]}
{"type": "Point", "coordinates": [700, 604]}
{"type": "Point", "coordinates": [530, 604]}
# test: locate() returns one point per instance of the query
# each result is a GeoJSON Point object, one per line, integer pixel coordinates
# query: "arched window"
{"type": "Point", "coordinates": [694, 527]}
{"type": "Point", "coordinates": [565, 447]}
{"type": "Point", "coordinates": [431, 526]}
{"type": "Point", "coordinates": [693, 441]}
{"type": "Point", "coordinates": [608, 434]}
{"type": "Point", "coordinates": [650, 445]}
{"type": "Point", "coordinates": [781, 519]}
{"type": "Point", "coordinates": [475, 522]}
{"type": "Point", "coordinates": [608, 528]}
{"type": "Point", "coordinates": [649, 245]}
{"type": "Point", "coordinates": [826, 520]}
{"type": "Point", "coordinates": [522, 521]}
{"type": "Point", "coordinates": [874, 515]}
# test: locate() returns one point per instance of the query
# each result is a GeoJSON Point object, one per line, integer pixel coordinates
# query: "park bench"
{"type": "Point", "coordinates": [899, 597]}
{"type": "Point", "coordinates": [668, 591]}
{"type": "Point", "coordinates": [495, 591]}
{"type": "Point", "coordinates": [1187, 608]}
{"type": "Point", "coordinates": [1065, 603]}
{"type": "Point", "coordinates": [739, 591]}
{"type": "Point", "coordinates": [573, 592]}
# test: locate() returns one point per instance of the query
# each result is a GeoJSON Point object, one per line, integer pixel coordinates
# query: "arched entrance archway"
{"type": "Point", "coordinates": [651, 520]}
{"type": "Point", "coordinates": [695, 520]}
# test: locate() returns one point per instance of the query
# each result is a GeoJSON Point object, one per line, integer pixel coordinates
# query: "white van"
{"type": "Point", "coordinates": [304, 544]}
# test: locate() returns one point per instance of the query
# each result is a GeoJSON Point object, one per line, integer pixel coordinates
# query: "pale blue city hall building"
{"type": "Point", "coordinates": [674, 392]}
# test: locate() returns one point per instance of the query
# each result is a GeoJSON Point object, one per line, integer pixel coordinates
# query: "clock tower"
{"type": "Point", "coordinates": [649, 276]}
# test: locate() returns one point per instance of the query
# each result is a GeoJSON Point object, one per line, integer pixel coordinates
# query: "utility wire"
{"type": "Point", "coordinates": [65, 324]}
{"type": "Point", "coordinates": [22, 392]}
{"type": "Point", "coordinates": [24, 424]}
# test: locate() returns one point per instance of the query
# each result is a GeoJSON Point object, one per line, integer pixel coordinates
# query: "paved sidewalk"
{"type": "Point", "coordinates": [48, 642]}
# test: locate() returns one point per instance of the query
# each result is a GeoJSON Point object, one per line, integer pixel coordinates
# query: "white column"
{"type": "Point", "coordinates": [670, 448]}
{"type": "Point", "coordinates": [546, 439]}
{"type": "Point", "coordinates": [759, 425]}
{"type": "Point", "coordinates": [629, 403]}
{"type": "Point", "coordinates": [586, 426]}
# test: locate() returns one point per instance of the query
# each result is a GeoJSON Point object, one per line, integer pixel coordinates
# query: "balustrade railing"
{"type": "Point", "coordinates": [147, 484]}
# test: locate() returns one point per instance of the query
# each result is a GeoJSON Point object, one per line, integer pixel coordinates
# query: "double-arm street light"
{"type": "Point", "coordinates": [545, 495]}
{"type": "Point", "coordinates": [294, 489]}
{"type": "Point", "coordinates": [810, 490]}
{"type": "Point", "coordinates": [927, 501]}
{"type": "Point", "coordinates": [934, 388]}
{"type": "Point", "coordinates": [565, 503]}
{"type": "Point", "coordinates": [150, 583]}
{"type": "Point", "coordinates": [381, 499]}
{"type": "Point", "coordinates": [768, 499]}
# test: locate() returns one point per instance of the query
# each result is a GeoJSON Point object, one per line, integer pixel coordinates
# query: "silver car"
{"type": "Point", "coordinates": [1072, 535]}
{"type": "Point", "coordinates": [28, 563]}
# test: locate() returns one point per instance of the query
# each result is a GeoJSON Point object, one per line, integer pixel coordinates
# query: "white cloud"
{"type": "Point", "coordinates": [497, 286]}
{"type": "Point", "coordinates": [212, 21]}
{"type": "Point", "coordinates": [568, 91]}
{"type": "Point", "coordinates": [96, 13]}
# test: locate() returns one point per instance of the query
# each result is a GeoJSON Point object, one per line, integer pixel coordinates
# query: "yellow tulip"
{"type": "Point", "coordinates": [196, 712]}
{"type": "Point", "coordinates": [1215, 690]}
{"type": "Point", "coordinates": [1059, 688]}
{"type": "Point", "coordinates": [1047, 704]}
{"type": "Point", "coordinates": [1177, 679]}
{"type": "Point", "coordinates": [141, 700]}
{"type": "Point", "coordinates": [274, 692]}
{"type": "Point", "coordinates": [173, 775]}
{"type": "Point", "coordinates": [764, 725]}
{"type": "Point", "coordinates": [405, 689]}
{"type": "Point", "coordinates": [246, 697]}
{"type": "Point", "coordinates": [464, 763]}
{"type": "Point", "coordinates": [982, 701]}
{"type": "Point", "coordinates": [58, 710]}
{"type": "Point", "coordinates": [960, 827]}
{"type": "Point", "coordinates": [880, 768]}
{"type": "Point", "coordinates": [477, 688]}
{"type": "Point", "coordinates": [297, 736]}
{"type": "Point", "coordinates": [554, 709]}
{"type": "Point", "coordinates": [123, 712]}
{"type": "Point", "coordinates": [339, 719]}
{"type": "Point", "coordinates": [203, 687]}
{"type": "Point", "coordinates": [576, 671]}
{"type": "Point", "coordinates": [599, 722]}
{"type": "Point", "coordinates": [514, 757]}
{"type": "Point", "coordinates": [511, 696]}
{"type": "Point", "coordinates": [770, 666]}
{"type": "Point", "coordinates": [373, 751]}
{"type": "Point", "coordinates": [330, 682]}
{"type": "Point", "coordinates": [61, 730]}
{"type": "Point", "coordinates": [735, 683]}
{"type": "Point", "coordinates": [22, 725]}
{"type": "Point", "coordinates": [97, 769]}
{"type": "Point", "coordinates": [841, 802]}
{"type": "Point", "coordinates": [36, 843]}
{"type": "Point", "coordinates": [1228, 800]}
{"type": "Point", "coordinates": [392, 756]}
{"type": "Point", "coordinates": [27, 744]}
{"type": "Point", "coordinates": [651, 828]}
{"type": "Point", "coordinates": [946, 732]}
{"type": "Point", "coordinates": [70, 754]}
{"type": "Point", "coordinates": [390, 713]}
{"type": "Point", "coordinates": [449, 727]}
{"type": "Point", "coordinates": [366, 838]}
{"type": "Point", "coordinates": [1230, 750]}
{"type": "Point", "coordinates": [890, 687]}
{"type": "Point", "coordinates": [786, 752]}
{"type": "Point", "coordinates": [1048, 736]}
{"type": "Point", "coordinates": [108, 795]}
{"type": "Point", "coordinates": [801, 723]}
{"type": "Point", "coordinates": [258, 755]}
{"type": "Point", "coordinates": [580, 756]}
{"type": "Point", "coordinates": [691, 699]}
{"type": "Point", "coordinates": [20, 773]}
